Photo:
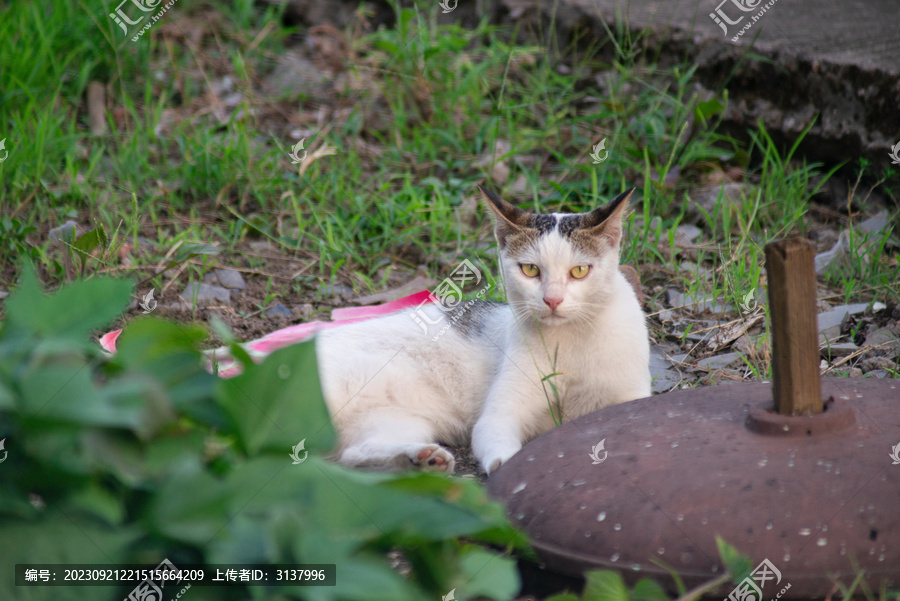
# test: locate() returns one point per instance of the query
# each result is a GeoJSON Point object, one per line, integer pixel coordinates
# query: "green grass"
{"type": "Point", "coordinates": [422, 112]}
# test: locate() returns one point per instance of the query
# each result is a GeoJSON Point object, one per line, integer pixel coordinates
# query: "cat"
{"type": "Point", "coordinates": [572, 339]}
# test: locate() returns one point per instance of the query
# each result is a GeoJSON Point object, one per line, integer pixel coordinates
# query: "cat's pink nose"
{"type": "Point", "coordinates": [553, 303]}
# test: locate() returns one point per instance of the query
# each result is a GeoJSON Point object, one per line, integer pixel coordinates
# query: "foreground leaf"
{"type": "Point", "coordinates": [604, 585]}
{"type": "Point", "coordinates": [275, 405]}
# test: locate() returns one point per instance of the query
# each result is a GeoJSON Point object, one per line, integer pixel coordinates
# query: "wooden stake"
{"type": "Point", "coordinates": [790, 269]}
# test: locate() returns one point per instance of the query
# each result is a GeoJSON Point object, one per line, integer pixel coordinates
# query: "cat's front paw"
{"type": "Point", "coordinates": [492, 461]}
{"type": "Point", "coordinates": [434, 458]}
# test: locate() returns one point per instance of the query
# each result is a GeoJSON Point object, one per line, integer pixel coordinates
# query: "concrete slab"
{"type": "Point", "coordinates": [840, 60]}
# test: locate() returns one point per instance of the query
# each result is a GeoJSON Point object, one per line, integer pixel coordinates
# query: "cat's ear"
{"type": "Point", "coordinates": [509, 218]}
{"type": "Point", "coordinates": [606, 221]}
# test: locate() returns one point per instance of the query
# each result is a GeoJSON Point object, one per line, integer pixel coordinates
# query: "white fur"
{"type": "Point", "coordinates": [394, 392]}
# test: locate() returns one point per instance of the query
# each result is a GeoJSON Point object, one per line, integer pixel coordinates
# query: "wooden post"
{"type": "Point", "coordinates": [790, 268]}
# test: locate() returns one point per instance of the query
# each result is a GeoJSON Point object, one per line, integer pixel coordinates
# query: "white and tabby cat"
{"type": "Point", "coordinates": [395, 394]}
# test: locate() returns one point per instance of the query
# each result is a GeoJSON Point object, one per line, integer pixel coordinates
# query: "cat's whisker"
{"type": "Point", "coordinates": [588, 317]}
{"type": "Point", "coordinates": [521, 310]}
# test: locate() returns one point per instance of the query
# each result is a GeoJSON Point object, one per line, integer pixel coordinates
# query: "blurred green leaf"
{"type": "Point", "coordinates": [369, 582]}
{"type": "Point", "coordinates": [6, 396]}
{"type": "Point", "coordinates": [738, 565]}
{"type": "Point", "coordinates": [89, 241]}
{"type": "Point", "coordinates": [648, 590]}
{"type": "Point", "coordinates": [386, 45]}
{"type": "Point", "coordinates": [466, 494]}
{"type": "Point", "coordinates": [168, 353]}
{"type": "Point", "coordinates": [98, 501]}
{"type": "Point", "coordinates": [57, 537]}
{"type": "Point", "coordinates": [192, 504]}
{"type": "Point", "coordinates": [488, 574]}
{"type": "Point", "coordinates": [406, 17]}
{"type": "Point", "coordinates": [72, 311]}
{"type": "Point", "coordinates": [704, 110]}
{"type": "Point", "coordinates": [604, 585]}
{"type": "Point", "coordinates": [278, 403]}
{"type": "Point", "coordinates": [62, 387]}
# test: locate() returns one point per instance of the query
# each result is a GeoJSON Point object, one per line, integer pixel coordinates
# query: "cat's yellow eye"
{"type": "Point", "coordinates": [530, 270]}
{"type": "Point", "coordinates": [580, 271]}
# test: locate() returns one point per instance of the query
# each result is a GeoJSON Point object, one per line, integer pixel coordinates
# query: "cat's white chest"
{"type": "Point", "coordinates": [604, 367]}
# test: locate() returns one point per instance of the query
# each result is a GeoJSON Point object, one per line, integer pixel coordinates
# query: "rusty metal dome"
{"type": "Point", "coordinates": [817, 496]}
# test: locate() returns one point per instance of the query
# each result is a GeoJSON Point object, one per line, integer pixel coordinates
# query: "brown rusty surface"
{"type": "Point", "coordinates": [683, 468]}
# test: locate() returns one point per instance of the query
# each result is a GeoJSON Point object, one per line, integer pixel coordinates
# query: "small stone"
{"type": "Point", "coordinates": [3, 294]}
{"type": "Point", "coordinates": [698, 330]}
{"type": "Point", "coordinates": [840, 349]}
{"type": "Point", "coordinates": [878, 363]}
{"type": "Point", "coordinates": [179, 304]}
{"type": "Point", "coordinates": [279, 310]}
{"type": "Point", "coordinates": [830, 322]}
{"type": "Point", "coordinates": [466, 214]}
{"type": "Point", "coordinates": [743, 345]}
{"type": "Point", "coordinates": [232, 100]}
{"type": "Point", "coordinates": [717, 362]}
{"type": "Point", "coordinates": [854, 308]}
{"type": "Point", "coordinates": [303, 312]}
{"type": "Point", "coordinates": [500, 173]}
{"type": "Point", "coordinates": [226, 278]}
{"type": "Point", "coordinates": [679, 241]}
{"type": "Point", "coordinates": [878, 373]}
{"type": "Point", "coordinates": [886, 339]}
{"type": "Point", "coordinates": [875, 224]}
{"type": "Point", "coordinates": [520, 186]}
{"type": "Point", "coordinates": [722, 376]}
{"type": "Point", "coordinates": [830, 336]}
{"type": "Point", "coordinates": [832, 318]}
{"type": "Point", "coordinates": [665, 381]}
{"type": "Point", "coordinates": [261, 246]}
{"type": "Point", "coordinates": [671, 179]}
{"type": "Point", "coordinates": [690, 232]}
{"type": "Point", "coordinates": [658, 364]}
{"type": "Point", "coordinates": [708, 196]}
{"type": "Point", "coordinates": [205, 294]}
{"type": "Point", "coordinates": [295, 74]}
{"type": "Point", "coordinates": [852, 372]}
{"type": "Point", "coordinates": [695, 302]}
{"type": "Point", "coordinates": [837, 253]}
{"type": "Point", "coordinates": [337, 290]}
{"type": "Point", "coordinates": [65, 232]}
{"type": "Point", "coordinates": [822, 306]}
{"type": "Point", "coordinates": [494, 160]}
{"type": "Point", "coordinates": [705, 337]}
